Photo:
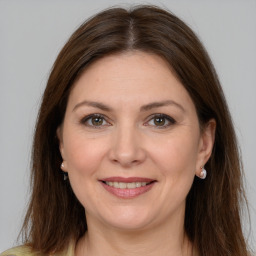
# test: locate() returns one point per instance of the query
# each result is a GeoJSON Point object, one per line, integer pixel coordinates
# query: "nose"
{"type": "Point", "coordinates": [127, 147]}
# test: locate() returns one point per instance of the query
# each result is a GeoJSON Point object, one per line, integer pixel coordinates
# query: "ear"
{"type": "Point", "coordinates": [60, 138]}
{"type": "Point", "coordinates": [61, 147]}
{"type": "Point", "coordinates": [205, 145]}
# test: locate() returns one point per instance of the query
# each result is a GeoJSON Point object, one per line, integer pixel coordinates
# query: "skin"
{"type": "Point", "coordinates": [129, 142]}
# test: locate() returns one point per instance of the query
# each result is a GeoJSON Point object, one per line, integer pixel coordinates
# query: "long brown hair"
{"type": "Point", "coordinates": [212, 217]}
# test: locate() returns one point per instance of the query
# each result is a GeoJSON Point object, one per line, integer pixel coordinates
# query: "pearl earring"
{"type": "Point", "coordinates": [203, 173]}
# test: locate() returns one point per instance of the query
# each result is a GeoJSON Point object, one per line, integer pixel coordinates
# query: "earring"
{"type": "Point", "coordinates": [203, 173]}
{"type": "Point", "coordinates": [65, 175]}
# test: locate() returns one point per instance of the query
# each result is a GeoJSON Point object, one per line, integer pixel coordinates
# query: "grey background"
{"type": "Point", "coordinates": [33, 32]}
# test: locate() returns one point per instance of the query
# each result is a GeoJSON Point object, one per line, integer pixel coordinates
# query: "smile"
{"type": "Point", "coordinates": [124, 185]}
{"type": "Point", "coordinates": [127, 188]}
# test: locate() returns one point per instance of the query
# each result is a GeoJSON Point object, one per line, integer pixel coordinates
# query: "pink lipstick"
{"type": "Point", "coordinates": [127, 187]}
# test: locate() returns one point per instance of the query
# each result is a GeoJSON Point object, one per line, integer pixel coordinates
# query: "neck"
{"type": "Point", "coordinates": [167, 238]}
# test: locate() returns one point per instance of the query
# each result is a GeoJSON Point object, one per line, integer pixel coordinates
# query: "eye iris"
{"type": "Point", "coordinates": [97, 121]}
{"type": "Point", "coordinates": [159, 121]}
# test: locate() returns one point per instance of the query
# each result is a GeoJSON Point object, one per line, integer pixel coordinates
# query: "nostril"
{"type": "Point", "coordinates": [126, 150]}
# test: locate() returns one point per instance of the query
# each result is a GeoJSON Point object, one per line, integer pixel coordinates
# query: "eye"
{"type": "Point", "coordinates": [95, 120]}
{"type": "Point", "coordinates": [161, 121]}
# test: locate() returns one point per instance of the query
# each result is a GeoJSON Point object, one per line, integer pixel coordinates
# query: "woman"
{"type": "Point", "coordinates": [134, 150]}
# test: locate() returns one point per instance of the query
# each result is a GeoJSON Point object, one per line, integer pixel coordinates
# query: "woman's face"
{"type": "Point", "coordinates": [131, 142]}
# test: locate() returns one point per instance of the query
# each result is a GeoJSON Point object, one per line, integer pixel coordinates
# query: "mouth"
{"type": "Point", "coordinates": [124, 185]}
{"type": "Point", "coordinates": [127, 187]}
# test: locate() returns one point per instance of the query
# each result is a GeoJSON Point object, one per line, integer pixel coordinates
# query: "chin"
{"type": "Point", "coordinates": [128, 219]}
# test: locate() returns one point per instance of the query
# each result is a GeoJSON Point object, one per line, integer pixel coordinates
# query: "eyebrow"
{"type": "Point", "coordinates": [142, 108]}
{"type": "Point", "coordinates": [93, 104]}
{"type": "Point", "coordinates": [161, 104]}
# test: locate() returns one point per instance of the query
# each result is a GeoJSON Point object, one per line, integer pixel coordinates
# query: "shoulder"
{"type": "Point", "coordinates": [26, 250]}
{"type": "Point", "coordinates": [20, 251]}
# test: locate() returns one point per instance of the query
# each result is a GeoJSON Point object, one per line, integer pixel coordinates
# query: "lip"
{"type": "Point", "coordinates": [127, 180]}
{"type": "Point", "coordinates": [128, 193]}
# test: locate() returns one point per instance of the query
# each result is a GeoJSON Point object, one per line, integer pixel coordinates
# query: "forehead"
{"type": "Point", "coordinates": [125, 65]}
{"type": "Point", "coordinates": [128, 76]}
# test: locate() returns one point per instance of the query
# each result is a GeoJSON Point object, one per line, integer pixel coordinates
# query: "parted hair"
{"type": "Point", "coordinates": [213, 206]}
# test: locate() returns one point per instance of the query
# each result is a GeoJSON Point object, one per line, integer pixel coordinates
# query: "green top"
{"type": "Point", "coordinates": [27, 251]}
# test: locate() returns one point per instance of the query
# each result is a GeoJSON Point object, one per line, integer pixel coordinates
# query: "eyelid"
{"type": "Point", "coordinates": [170, 119]}
{"type": "Point", "coordinates": [85, 119]}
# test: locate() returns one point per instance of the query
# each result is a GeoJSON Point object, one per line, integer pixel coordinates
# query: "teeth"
{"type": "Point", "coordinates": [116, 184]}
{"type": "Point", "coordinates": [124, 185]}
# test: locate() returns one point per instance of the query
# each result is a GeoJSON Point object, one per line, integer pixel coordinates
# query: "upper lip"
{"type": "Point", "coordinates": [127, 180]}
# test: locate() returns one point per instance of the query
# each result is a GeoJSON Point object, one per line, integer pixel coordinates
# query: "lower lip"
{"type": "Point", "coordinates": [128, 193]}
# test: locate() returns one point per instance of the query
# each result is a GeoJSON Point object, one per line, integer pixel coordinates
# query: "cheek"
{"type": "Point", "coordinates": [176, 159]}
{"type": "Point", "coordinates": [176, 151]}
{"type": "Point", "coordinates": [83, 154]}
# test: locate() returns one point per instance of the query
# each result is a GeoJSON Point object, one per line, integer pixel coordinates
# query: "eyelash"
{"type": "Point", "coordinates": [170, 121]}
{"type": "Point", "coordinates": [88, 118]}
{"type": "Point", "coordinates": [167, 118]}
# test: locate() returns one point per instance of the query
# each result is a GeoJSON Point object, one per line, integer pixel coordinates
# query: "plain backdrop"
{"type": "Point", "coordinates": [33, 32]}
